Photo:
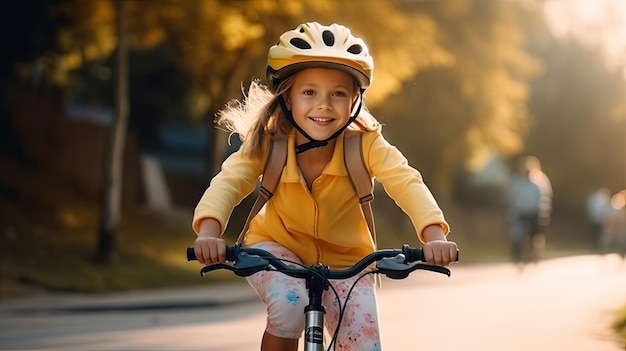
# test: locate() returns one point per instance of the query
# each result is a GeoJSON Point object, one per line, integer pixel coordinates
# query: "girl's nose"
{"type": "Point", "coordinates": [324, 104]}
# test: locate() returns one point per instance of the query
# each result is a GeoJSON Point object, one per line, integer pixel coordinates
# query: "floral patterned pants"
{"type": "Point", "coordinates": [286, 297]}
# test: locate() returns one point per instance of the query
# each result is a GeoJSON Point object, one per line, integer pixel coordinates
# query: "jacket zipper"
{"type": "Point", "coordinates": [318, 251]}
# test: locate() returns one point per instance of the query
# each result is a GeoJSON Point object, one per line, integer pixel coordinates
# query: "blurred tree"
{"type": "Point", "coordinates": [106, 250]}
{"type": "Point", "coordinates": [456, 117]}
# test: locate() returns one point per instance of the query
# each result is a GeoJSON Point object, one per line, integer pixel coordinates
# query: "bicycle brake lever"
{"type": "Point", "coordinates": [244, 266]}
{"type": "Point", "coordinates": [213, 267]}
{"type": "Point", "coordinates": [395, 268]}
{"type": "Point", "coordinates": [430, 267]}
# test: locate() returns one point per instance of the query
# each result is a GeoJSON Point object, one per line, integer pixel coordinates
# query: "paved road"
{"type": "Point", "coordinates": [559, 304]}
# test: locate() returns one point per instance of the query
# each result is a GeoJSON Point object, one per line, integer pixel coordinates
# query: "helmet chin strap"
{"type": "Point", "coordinates": [313, 143]}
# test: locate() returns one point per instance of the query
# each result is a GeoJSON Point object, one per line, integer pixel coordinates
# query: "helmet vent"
{"type": "Point", "coordinates": [328, 37]}
{"type": "Point", "coordinates": [300, 43]}
{"type": "Point", "coordinates": [355, 49]}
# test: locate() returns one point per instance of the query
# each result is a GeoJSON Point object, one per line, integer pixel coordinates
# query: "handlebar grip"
{"type": "Point", "coordinates": [231, 253]}
{"type": "Point", "coordinates": [417, 254]}
{"type": "Point", "coordinates": [191, 255]}
{"type": "Point", "coordinates": [413, 254]}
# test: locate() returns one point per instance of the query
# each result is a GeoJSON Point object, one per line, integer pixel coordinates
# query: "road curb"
{"type": "Point", "coordinates": [212, 296]}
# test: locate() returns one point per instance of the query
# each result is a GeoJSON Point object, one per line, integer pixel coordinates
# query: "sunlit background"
{"type": "Point", "coordinates": [599, 24]}
{"type": "Point", "coordinates": [464, 88]}
{"type": "Point", "coordinates": [107, 138]}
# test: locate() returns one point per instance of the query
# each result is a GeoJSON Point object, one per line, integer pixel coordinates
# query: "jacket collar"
{"type": "Point", "coordinates": [336, 166]}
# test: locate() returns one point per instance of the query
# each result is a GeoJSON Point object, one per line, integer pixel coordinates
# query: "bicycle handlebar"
{"type": "Point", "coordinates": [394, 263]}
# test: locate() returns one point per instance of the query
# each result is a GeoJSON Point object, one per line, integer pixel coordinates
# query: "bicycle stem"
{"type": "Point", "coordinates": [314, 314]}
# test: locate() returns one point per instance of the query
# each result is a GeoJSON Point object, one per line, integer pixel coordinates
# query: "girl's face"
{"type": "Point", "coordinates": [321, 100]}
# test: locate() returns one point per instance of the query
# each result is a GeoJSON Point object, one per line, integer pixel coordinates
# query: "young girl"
{"type": "Point", "coordinates": [317, 75]}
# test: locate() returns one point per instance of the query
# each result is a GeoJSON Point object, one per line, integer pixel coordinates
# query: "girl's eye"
{"type": "Point", "coordinates": [308, 92]}
{"type": "Point", "coordinates": [340, 93]}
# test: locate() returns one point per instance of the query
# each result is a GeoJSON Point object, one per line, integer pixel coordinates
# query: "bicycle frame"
{"type": "Point", "coordinates": [393, 263]}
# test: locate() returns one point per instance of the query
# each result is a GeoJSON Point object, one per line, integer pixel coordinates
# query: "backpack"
{"type": "Point", "coordinates": [355, 165]}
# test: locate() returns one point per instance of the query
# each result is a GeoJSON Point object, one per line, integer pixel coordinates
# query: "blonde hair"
{"type": "Point", "coordinates": [260, 114]}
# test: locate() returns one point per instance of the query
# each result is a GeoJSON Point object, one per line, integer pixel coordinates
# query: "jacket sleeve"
{"type": "Point", "coordinates": [403, 183]}
{"type": "Point", "coordinates": [236, 180]}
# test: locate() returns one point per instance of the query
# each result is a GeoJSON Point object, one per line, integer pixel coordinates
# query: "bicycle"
{"type": "Point", "coordinates": [527, 241]}
{"type": "Point", "coordinates": [393, 263]}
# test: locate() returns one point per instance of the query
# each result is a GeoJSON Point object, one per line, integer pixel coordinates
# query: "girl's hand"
{"type": "Point", "coordinates": [209, 247]}
{"type": "Point", "coordinates": [440, 252]}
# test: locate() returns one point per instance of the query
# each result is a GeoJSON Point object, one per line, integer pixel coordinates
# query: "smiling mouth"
{"type": "Point", "coordinates": [321, 119]}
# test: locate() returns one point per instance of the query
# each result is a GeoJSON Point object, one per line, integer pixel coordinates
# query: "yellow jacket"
{"type": "Point", "coordinates": [324, 225]}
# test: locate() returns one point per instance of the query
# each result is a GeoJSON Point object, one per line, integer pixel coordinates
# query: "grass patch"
{"type": "Point", "coordinates": [619, 324]}
{"type": "Point", "coordinates": [51, 248]}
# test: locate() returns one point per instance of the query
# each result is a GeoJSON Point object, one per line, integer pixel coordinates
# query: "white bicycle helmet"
{"type": "Point", "coordinates": [314, 45]}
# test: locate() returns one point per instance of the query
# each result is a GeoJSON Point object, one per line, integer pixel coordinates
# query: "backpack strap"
{"type": "Point", "coordinates": [360, 177]}
{"type": "Point", "coordinates": [276, 160]}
